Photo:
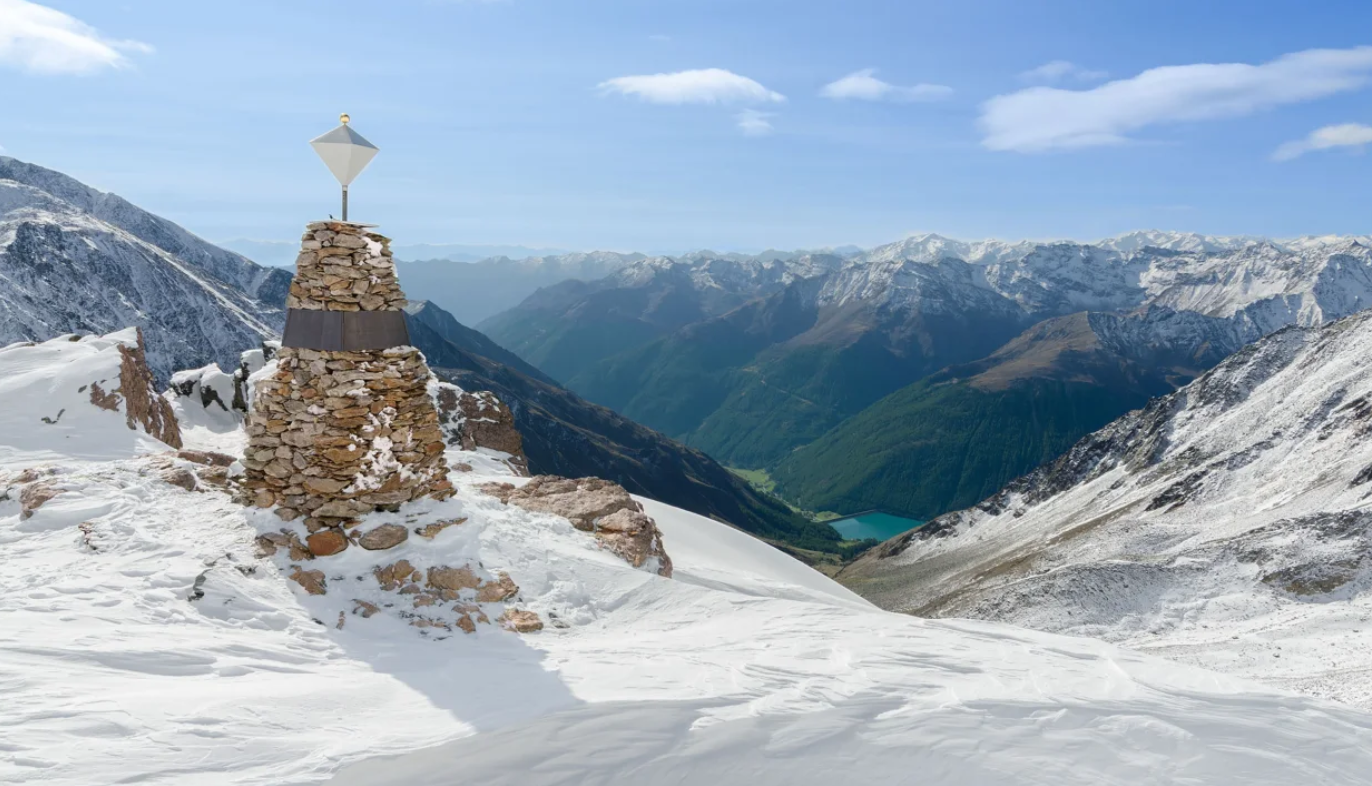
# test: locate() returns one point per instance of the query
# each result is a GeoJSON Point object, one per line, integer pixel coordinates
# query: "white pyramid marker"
{"type": "Point", "coordinates": [346, 154]}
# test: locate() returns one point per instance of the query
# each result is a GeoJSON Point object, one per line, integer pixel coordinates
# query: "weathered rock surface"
{"type": "Point", "coordinates": [312, 580]}
{"type": "Point", "coordinates": [384, 537]}
{"type": "Point", "coordinates": [431, 531]}
{"type": "Point", "coordinates": [34, 496]}
{"type": "Point", "coordinates": [327, 542]}
{"type": "Point", "coordinates": [472, 420]}
{"type": "Point", "coordinates": [143, 407]}
{"type": "Point", "coordinates": [593, 505]}
{"type": "Point", "coordinates": [521, 621]}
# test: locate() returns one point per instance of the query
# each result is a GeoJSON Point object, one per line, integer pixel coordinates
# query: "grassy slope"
{"type": "Point", "coordinates": [930, 448]}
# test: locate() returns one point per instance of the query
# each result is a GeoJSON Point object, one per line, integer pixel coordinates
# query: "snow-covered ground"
{"type": "Point", "coordinates": [141, 641]}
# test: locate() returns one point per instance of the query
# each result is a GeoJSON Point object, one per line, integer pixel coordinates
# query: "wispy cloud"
{"type": "Point", "coordinates": [754, 123]}
{"type": "Point", "coordinates": [1039, 119]}
{"type": "Point", "coordinates": [1060, 70]}
{"type": "Point", "coordinates": [1351, 135]}
{"type": "Point", "coordinates": [43, 40]}
{"type": "Point", "coordinates": [864, 86]}
{"type": "Point", "coordinates": [701, 86]}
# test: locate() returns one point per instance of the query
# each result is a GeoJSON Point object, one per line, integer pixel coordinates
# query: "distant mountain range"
{"type": "Point", "coordinates": [922, 375]}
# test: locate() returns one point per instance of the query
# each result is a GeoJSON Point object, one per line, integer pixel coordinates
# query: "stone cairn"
{"type": "Point", "coordinates": [346, 426]}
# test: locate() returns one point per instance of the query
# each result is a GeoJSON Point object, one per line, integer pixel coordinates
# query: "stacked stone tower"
{"type": "Point", "coordinates": [346, 426]}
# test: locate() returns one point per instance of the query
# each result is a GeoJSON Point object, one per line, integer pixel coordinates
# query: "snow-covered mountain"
{"type": "Point", "coordinates": [745, 276]}
{"type": "Point", "coordinates": [77, 260]}
{"type": "Point", "coordinates": [147, 639]}
{"type": "Point", "coordinates": [1305, 283]}
{"type": "Point", "coordinates": [1227, 525]}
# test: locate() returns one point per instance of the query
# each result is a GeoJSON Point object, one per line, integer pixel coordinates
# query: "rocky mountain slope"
{"type": "Point", "coordinates": [1226, 525]}
{"type": "Point", "coordinates": [564, 328]}
{"type": "Point", "coordinates": [150, 637]}
{"type": "Point", "coordinates": [961, 434]}
{"type": "Point", "coordinates": [752, 386]}
{"type": "Point", "coordinates": [567, 435]}
{"type": "Point", "coordinates": [77, 260]}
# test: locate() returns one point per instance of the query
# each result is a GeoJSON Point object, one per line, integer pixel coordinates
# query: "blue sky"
{"type": "Point", "coordinates": [531, 121]}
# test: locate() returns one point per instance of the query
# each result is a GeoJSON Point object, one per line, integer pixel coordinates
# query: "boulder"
{"type": "Point", "coordinates": [326, 542]}
{"type": "Point", "coordinates": [383, 537]}
{"type": "Point", "coordinates": [597, 506]}
{"type": "Point", "coordinates": [520, 621]}
{"type": "Point", "coordinates": [34, 496]}
{"type": "Point", "coordinates": [503, 588]}
{"type": "Point", "coordinates": [312, 581]}
{"type": "Point", "coordinates": [453, 578]}
{"type": "Point", "coordinates": [179, 477]}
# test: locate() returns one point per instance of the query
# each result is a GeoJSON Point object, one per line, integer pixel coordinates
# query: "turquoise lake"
{"type": "Point", "coordinates": [882, 526]}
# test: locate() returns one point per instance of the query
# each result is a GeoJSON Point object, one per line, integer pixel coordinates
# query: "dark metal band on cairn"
{"type": "Point", "coordinates": [345, 331]}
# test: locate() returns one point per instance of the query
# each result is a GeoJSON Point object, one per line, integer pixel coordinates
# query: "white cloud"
{"type": "Point", "coordinates": [701, 86]}
{"type": "Point", "coordinates": [864, 86]}
{"type": "Point", "coordinates": [1039, 119]}
{"type": "Point", "coordinates": [43, 40]}
{"type": "Point", "coordinates": [754, 123]}
{"type": "Point", "coordinates": [1058, 70]}
{"type": "Point", "coordinates": [1352, 135]}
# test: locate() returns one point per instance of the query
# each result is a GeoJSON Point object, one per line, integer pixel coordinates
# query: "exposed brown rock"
{"type": "Point", "coordinates": [593, 505]}
{"type": "Point", "coordinates": [579, 501]}
{"type": "Point", "coordinates": [34, 496]}
{"type": "Point", "coordinates": [431, 531]}
{"type": "Point", "coordinates": [384, 537]}
{"type": "Point", "coordinates": [312, 580]}
{"type": "Point", "coordinates": [179, 477]}
{"type": "Point", "coordinates": [268, 544]}
{"type": "Point", "coordinates": [214, 476]}
{"type": "Point", "coordinates": [635, 537]}
{"type": "Point", "coordinates": [205, 457]}
{"type": "Point", "coordinates": [394, 576]}
{"type": "Point", "coordinates": [326, 542]}
{"type": "Point", "coordinates": [365, 609]}
{"type": "Point", "coordinates": [453, 578]}
{"type": "Point", "coordinates": [106, 400]}
{"type": "Point", "coordinates": [142, 404]}
{"type": "Point", "coordinates": [472, 420]}
{"type": "Point", "coordinates": [494, 591]}
{"type": "Point", "coordinates": [520, 621]}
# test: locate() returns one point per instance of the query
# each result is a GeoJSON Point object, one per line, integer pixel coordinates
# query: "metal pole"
{"type": "Point", "coordinates": [345, 203]}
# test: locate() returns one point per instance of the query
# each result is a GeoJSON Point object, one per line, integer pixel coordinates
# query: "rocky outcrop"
{"type": "Point", "coordinates": [597, 506]}
{"type": "Point", "coordinates": [143, 407]}
{"type": "Point", "coordinates": [34, 496]}
{"type": "Point", "coordinates": [479, 420]}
